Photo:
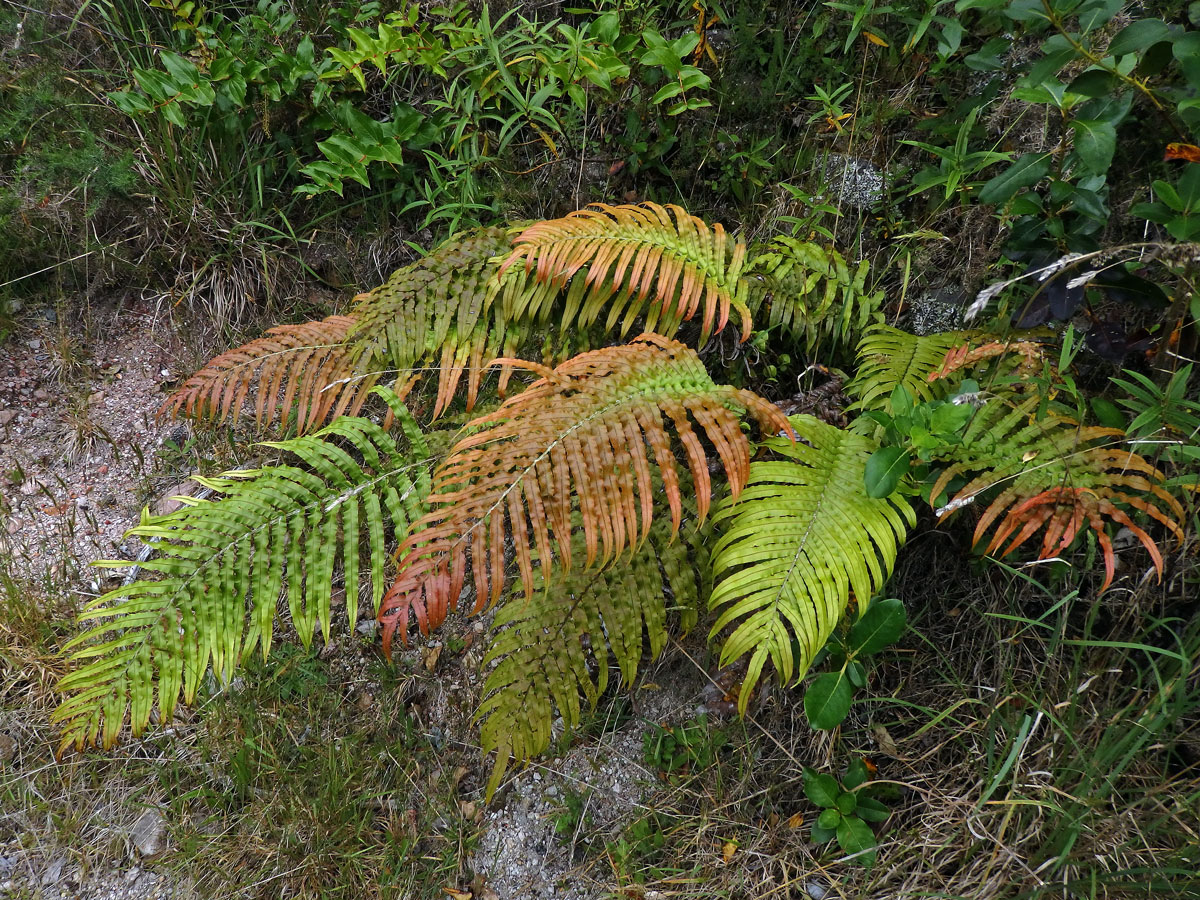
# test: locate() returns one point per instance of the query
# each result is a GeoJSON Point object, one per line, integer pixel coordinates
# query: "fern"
{"type": "Point", "coordinates": [470, 300]}
{"type": "Point", "coordinates": [625, 251]}
{"type": "Point", "coordinates": [889, 358]}
{"type": "Point", "coordinates": [214, 557]}
{"type": "Point", "coordinates": [1054, 476]}
{"type": "Point", "coordinates": [811, 294]}
{"type": "Point", "coordinates": [573, 442]}
{"type": "Point", "coordinates": [289, 358]}
{"type": "Point", "coordinates": [799, 540]}
{"type": "Point", "coordinates": [555, 646]}
{"type": "Point", "coordinates": [439, 313]}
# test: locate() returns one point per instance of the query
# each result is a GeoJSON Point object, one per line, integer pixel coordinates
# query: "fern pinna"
{"type": "Point", "coordinates": [354, 483]}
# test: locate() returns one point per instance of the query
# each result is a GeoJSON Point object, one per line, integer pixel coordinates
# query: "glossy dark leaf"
{"type": "Point", "coordinates": [827, 701]}
{"type": "Point", "coordinates": [881, 625]}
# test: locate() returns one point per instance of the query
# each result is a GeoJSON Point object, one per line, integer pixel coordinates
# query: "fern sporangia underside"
{"type": "Point", "coordinates": [810, 292]}
{"type": "Point", "coordinates": [1053, 476]}
{"type": "Point", "coordinates": [889, 358]}
{"type": "Point", "coordinates": [353, 480]}
{"type": "Point", "coordinates": [626, 252]}
{"type": "Point", "coordinates": [553, 650]}
{"type": "Point", "coordinates": [799, 540]}
{"type": "Point", "coordinates": [573, 442]}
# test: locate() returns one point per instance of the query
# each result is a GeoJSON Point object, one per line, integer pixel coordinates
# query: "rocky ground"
{"type": "Point", "coordinates": [81, 450]}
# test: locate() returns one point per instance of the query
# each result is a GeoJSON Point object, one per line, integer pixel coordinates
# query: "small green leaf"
{"type": "Point", "coordinates": [1095, 142]}
{"type": "Point", "coordinates": [855, 836]}
{"type": "Point", "coordinates": [830, 819]}
{"type": "Point", "coordinates": [881, 625]}
{"type": "Point", "coordinates": [1107, 413]}
{"type": "Point", "coordinates": [884, 470]}
{"type": "Point", "coordinates": [1138, 36]}
{"type": "Point", "coordinates": [856, 774]}
{"type": "Point", "coordinates": [846, 803]}
{"type": "Point", "coordinates": [871, 809]}
{"type": "Point", "coordinates": [857, 674]}
{"type": "Point", "coordinates": [820, 787]}
{"type": "Point", "coordinates": [1027, 171]}
{"type": "Point", "coordinates": [821, 835]}
{"type": "Point", "coordinates": [827, 700]}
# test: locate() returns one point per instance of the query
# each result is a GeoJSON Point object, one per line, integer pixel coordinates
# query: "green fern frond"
{"type": "Point", "coordinates": [216, 557]}
{"type": "Point", "coordinates": [614, 257]}
{"type": "Point", "coordinates": [810, 293]}
{"type": "Point", "coordinates": [889, 358]}
{"type": "Point", "coordinates": [801, 537]}
{"type": "Point", "coordinates": [553, 650]}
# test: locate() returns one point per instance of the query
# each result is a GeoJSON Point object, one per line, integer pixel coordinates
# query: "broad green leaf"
{"type": "Point", "coordinates": [1027, 171]}
{"type": "Point", "coordinates": [827, 700]}
{"type": "Point", "coordinates": [855, 836]}
{"type": "Point", "coordinates": [820, 787]}
{"type": "Point", "coordinates": [871, 809]}
{"type": "Point", "coordinates": [1138, 36]}
{"type": "Point", "coordinates": [846, 803]}
{"type": "Point", "coordinates": [1095, 142]}
{"type": "Point", "coordinates": [880, 626]}
{"type": "Point", "coordinates": [884, 471]}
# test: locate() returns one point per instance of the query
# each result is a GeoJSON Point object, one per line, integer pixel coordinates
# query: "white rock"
{"type": "Point", "coordinates": [149, 834]}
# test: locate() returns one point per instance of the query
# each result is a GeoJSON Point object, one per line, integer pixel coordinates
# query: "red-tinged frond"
{"type": "Point", "coordinates": [307, 368]}
{"type": "Point", "coordinates": [1055, 479]}
{"type": "Point", "coordinates": [576, 453]}
{"type": "Point", "coordinates": [622, 260]}
{"type": "Point", "coordinates": [1029, 357]}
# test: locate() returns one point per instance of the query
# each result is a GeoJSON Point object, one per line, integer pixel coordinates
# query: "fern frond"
{"type": "Point", "coordinates": [554, 649]}
{"type": "Point", "coordinates": [628, 251]}
{"type": "Point", "coordinates": [1016, 358]}
{"type": "Point", "coordinates": [1053, 476]}
{"type": "Point", "coordinates": [572, 442]}
{"type": "Point", "coordinates": [299, 360]}
{"type": "Point", "coordinates": [799, 540]}
{"type": "Point", "coordinates": [810, 292]}
{"type": "Point", "coordinates": [438, 312]}
{"type": "Point", "coordinates": [889, 358]}
{"type": "Point", "coordinates": [434, 312]}
{"type": "Point", "coordinates": [215, 558]}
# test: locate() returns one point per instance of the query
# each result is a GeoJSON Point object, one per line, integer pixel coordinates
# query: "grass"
{"type": "Point", "coordinates": [311, 778]}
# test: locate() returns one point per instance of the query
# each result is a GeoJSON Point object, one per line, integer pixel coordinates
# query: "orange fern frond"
{"type": "Point", "coordinates": [965, 356]}
{"type": "Point", "coordinates": [311, 365]}
{"type": "Point", "coordinates": [569, 455]}
{"type": "Point", "coordinates": [1054, 477]}
{"type": "Point", "coordinates": [627, 252]}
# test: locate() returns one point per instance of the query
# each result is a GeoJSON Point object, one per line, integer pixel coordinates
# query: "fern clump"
{"type": "Point", "coordinates": [581, 508]}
